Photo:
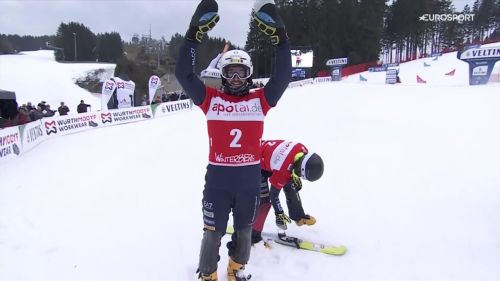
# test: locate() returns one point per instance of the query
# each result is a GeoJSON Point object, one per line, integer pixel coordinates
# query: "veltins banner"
{"type": "Point", "coordinates": [481, 61]}
{"type": "Point", "coordinates": [32, 134]}
{"type": "Point", "coordinates": [168, 108]}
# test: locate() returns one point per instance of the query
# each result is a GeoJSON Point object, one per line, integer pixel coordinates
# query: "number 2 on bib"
{"type": "Point", "coordinates": [237, 136]}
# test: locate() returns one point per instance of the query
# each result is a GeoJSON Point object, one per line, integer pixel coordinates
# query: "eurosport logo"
{"type": "Point", "coordinates": [447, 17]}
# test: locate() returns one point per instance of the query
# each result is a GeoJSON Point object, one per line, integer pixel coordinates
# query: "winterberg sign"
{"type": "Point", "coordinates": [481, 62]}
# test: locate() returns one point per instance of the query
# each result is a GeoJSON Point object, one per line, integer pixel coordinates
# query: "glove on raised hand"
{"type": "Point", "coordinates": [269, 21]}
{"type": "Point", "coordinates": [204, 19]}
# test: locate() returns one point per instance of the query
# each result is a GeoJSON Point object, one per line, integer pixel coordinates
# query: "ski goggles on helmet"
{"type": "Point", "coordinates": [238, 70]}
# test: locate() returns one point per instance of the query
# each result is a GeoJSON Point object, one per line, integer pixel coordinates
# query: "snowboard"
{"type": "Point", "coordinates": [298, 243]}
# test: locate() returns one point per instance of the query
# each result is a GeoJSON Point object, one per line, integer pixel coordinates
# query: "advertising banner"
{"type": "Point", "coordinates": [391, 76]}
{"type": "Point", "coordinates": [377, 69]}
{"type": "Point", "coordinates": [387, 65]}
{"type": "Point", "coordinates": [153, 84]}
{"type": "Point", "coordinates": [69, 124]}
{"type": "Point", "coordinates": [336, 66]}
{"type": "Point", "coordinates": [168, 108]}
{"type": "Point", "coordinates": [337, 62]}
{"type": "Point", "coordinates": [298, 73]}
{"type": "Point", "coordinates": [125, 115]}
{"type": "Point", "coordinates": [32, 134]}
{"type": "Point", "coordinates": [10, 143]}
{"type": "Point", "coordinates": [336, 73]}
{"type": "Point", "coordinates": [108, 88]}
{"type": "Point", "coordinates": [481, 61]}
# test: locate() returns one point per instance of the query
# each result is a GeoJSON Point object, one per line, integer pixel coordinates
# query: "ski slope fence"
{"type": "Point", "coordinates": [15, 141]}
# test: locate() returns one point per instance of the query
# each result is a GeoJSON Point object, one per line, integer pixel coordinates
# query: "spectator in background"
{"type": "Point", "coordinates": [36, 114]}
{"type": "Point", "coordinates": [47, 112]}
{"type": "Point", "coordinates": [63, 109]}
{"type": "Point", "coordinates": [184, 96]}
{"type": "Point", "coordinates": [82, 107]}
{"type": "Point", "coordinates": [157, 100]}
{"type": "Point", "coordinates": [144, 100]}
{"type": "Point", "coordinates": [29, 106]}
{"type": "Point", "coordinates": [23, 110]}
{"type": "Point", "coordinates": [173, 96]}
{"type": "Point", "coordinates": [9, 115]}
{"type": "Point", "coordinates": [42, 105]}
{"type": "Point", "coordinates": [3, 121]}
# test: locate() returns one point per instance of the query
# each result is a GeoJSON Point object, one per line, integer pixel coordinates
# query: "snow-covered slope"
{"type": "Point", "coordinates": [36, 76]}
{"type": "Point", "coordinates": [433, 73]}
{"type": "Point", "coordinates": [411, 187]}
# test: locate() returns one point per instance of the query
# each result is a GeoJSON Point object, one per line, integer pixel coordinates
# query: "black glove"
{"type": "Point", "coordinates": [269, 21]}
{"type": "Point", "coordinates": [282, 220]}
{"type": "Point", "coordinates": [204, 19]}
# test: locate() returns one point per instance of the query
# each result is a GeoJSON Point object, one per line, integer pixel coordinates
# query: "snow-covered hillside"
{"type": "Point", "coordinates": [36, 76]}
{"type": "Point", "coordinates": [432, 70]}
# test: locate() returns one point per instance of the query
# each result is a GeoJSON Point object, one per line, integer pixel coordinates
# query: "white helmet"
{"type": "Point", "coordinates": [228, 70]}
{"type": "Point", "coordinates": [236, 57]}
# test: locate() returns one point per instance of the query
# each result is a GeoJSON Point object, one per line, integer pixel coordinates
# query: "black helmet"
{"type": "Point", "coordinates": [309, 167]}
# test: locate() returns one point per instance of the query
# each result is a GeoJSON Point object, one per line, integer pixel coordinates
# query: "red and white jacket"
{"type": "Point", "coordinates": [277, 157]}
{"type": "Point", "coordinates": [235, 126]}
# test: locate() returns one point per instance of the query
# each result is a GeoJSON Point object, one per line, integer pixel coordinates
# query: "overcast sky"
{"type": "Point", "coordinates": [166, 17]}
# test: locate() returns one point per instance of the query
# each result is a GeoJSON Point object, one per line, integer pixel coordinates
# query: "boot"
{"type": "Point", "coordinates": [307, 220]}
{"type": "Point", "coordinates": [208, 277]}
{"type": "Point", "coordinates": [236, 271]}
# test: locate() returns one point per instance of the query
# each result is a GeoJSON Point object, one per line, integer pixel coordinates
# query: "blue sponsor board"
{"type": "Point", "coordinates": [336, 73]}
{"type": "Point", "coordinates": [382, 67]}
{"type": "Point", "coordinates": [336, 66]}
{"type": "Point", "coordinates": [481, 61]}
{"type": "Point", "coordinates": [391, 76]}
{"type": "Point", "coordinates": [298, 73]}
{"type": "Point", "coordinates": [377, 69]}
{"type": "Point", "coordinates": [387, 65]}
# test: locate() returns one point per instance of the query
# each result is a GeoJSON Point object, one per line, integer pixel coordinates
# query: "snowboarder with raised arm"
{"type": "Point", "coordinates": [235, 121]}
